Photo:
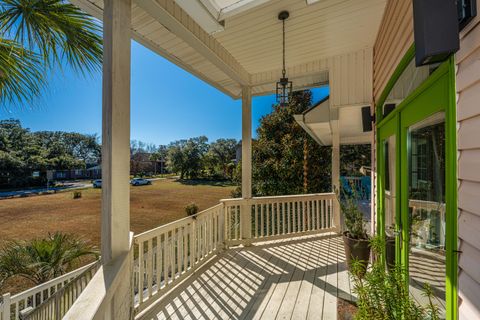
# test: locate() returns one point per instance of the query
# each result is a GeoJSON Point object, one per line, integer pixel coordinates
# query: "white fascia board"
{"type": "Point", "coordinates": [299, 118]}
{"type": "Point", "coordinates": [202, 14]}
{"type": "Point", "coordinates": [239, 7]}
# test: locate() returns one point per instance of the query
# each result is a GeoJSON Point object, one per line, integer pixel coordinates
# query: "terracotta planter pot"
{"type": "Point", "coordinates": [357, 250]}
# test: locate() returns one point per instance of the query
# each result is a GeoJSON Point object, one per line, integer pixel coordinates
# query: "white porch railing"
{"type": "Point", "coordinates": [58, 304]}
{"type": "Point", "coordinates": [162, 257]}
{"type": "Point", "coordinates": [11, 306]}
{"type": "Point", "coordinates": [168, 253]}
{"type": "Point", "coordinates": [279, 216]}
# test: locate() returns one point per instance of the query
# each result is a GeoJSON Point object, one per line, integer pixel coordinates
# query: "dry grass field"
{"type": "Point", "coordinates": [162, 202]}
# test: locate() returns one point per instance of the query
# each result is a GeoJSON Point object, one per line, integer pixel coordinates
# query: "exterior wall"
{"type": "Point", "coordinates": [468, 118]}
{"type": "Point", "coordinates": [394, 38]}
{"type": "Point", "coordinates": [350, 77]}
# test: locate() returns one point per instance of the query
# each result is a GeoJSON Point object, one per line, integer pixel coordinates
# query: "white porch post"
{"type": "Point", "coordinates": [116, 146]}
{"type": "Point", "coordinates": [336, 173]}
{"type": "Point", "coordinates": [116, 129]}
{"type": "Point", "coordinates": [246, 160]}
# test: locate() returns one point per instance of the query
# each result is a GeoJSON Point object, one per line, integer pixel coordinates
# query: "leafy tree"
{"type": "Point", "coordinates": [40, 260]}
{"type": "Point", "coordinates": [160, 153]}
{"type": "Point", "coordinates": [221, 154]}
{"type": "Point", "coordinates": [353, 157]}
{"type": "Point", "coordinates": [22, 152]}
{"type": "Point", "coordinates": [278, 153]}
{"type": "Point", "coordinates": [186, 156]}
{"type": "Point", "coordinates": [39, 35]}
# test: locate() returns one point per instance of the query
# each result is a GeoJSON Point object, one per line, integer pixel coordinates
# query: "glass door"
{"type": "Point", "coordinates": [417, 189]}
{"type": "Point", "coordinates": [426, 209]}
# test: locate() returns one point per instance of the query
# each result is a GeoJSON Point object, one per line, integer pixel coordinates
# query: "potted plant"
{"type": "Point", "coordinates": [355, 238]}
{"type": "Point", "coordinates": [386, 295]}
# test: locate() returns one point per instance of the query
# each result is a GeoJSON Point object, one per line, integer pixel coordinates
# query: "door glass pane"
{"type": "Point", "coordinates": [426, 173]}
{"type": "Point", "coordinates": [410, 79]}
{"type": "Point", "coordinates": [390, 196]}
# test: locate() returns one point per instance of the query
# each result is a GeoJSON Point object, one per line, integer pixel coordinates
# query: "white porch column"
{"type": "Point", "coordinates": [246, 160]}
{"type": "Point", "coordinates": [116, 129]}
{"type": "Point", "coordinates": [336, 172]}
{"type": "Point", "coordinates": [116, 151]}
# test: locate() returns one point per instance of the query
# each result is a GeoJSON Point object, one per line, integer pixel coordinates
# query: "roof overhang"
{"type": "Point", "coordinates": [318, 123]}
{"type": "Point", "coordinates": [235, 43]}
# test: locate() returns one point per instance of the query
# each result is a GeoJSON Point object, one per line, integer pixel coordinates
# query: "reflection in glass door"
{"type": "Point", "coordinates": [390, 199]}
{"type": "Point", "coordinates": [426, 214]}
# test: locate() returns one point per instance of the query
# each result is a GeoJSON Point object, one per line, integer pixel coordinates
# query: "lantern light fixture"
{"type": "Point", "coordinates": [284, 86]}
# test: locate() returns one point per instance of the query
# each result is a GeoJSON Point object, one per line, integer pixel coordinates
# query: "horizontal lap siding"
{"type": "Point", "coordinates": [393, 40]}
{"type": "Point", "coordinates": [468, 117]}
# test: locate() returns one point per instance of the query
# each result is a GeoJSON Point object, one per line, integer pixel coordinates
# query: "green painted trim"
{"type": "Point", "coordinates": [436, 94]}
{"type": "Point", "coordinates": [451, 196]}
{"type": "Point", "coordinates": [383, 134]}
{"type": "Point", "coordinates": [441, 71]}
{"type": "Point", "coordinates": [407, 58]}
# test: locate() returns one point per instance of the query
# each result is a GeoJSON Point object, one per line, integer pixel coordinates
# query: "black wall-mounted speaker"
{"type": "Point", "coordinates": [389, 107]}
{"type": "Point", "coordinates": [435, 29]}
{"type": "Point", "coordinates": [467, 10]}
{"type": "Point", "coordinates": [366, 119]}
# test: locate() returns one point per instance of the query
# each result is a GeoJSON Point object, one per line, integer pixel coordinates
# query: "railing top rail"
{"type": "Point", "coordinates": [172, 225]}
{"type": "Point", "coordinates": [286, 197]}
{"type": "Point", "coordinates": [92, 301]}
{"type": "Point", "coordinates": [50, 283]}
{"type": "Point", "coordinates": [54, 296]}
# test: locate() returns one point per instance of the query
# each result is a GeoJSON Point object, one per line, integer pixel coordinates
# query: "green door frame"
{"type": "Point", "coordinates": [388, 129]}
{"type": "Point", "coordinates": [435, 94]}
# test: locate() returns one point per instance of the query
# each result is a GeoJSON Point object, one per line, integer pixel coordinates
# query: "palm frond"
{"type": "Point", "coordinates": [22, 76]}
{"type": "Point", "coordinates": [42, 259]}
{"type": "Point", "coordinates": [60, 32]}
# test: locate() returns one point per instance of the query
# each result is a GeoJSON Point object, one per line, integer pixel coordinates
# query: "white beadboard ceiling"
{"type": "Point", "coordinates": [248, 50]}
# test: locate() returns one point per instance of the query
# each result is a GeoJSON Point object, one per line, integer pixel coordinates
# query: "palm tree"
{"type": "Point", "coordinates": [40, 260]}
{"type": "Point", "coordinates": [39, 35]}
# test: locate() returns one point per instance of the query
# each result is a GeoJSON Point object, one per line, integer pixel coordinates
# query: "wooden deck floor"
{"type": "Point", "coordinates": [296, 278]}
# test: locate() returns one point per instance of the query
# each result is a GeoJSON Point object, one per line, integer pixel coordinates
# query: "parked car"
{"type": "Point", "coordinates": [140, 182]}
{"type": "Point", "coordinates": [97, 183]}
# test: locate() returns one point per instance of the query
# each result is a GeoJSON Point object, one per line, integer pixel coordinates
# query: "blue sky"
{"type": "Point", "coordinates": [167, 104]}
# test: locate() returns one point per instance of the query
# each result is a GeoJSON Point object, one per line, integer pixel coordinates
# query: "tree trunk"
{"type": "Point", "coordinates": [305, 166]}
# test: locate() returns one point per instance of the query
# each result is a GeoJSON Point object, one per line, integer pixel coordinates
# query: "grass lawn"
{"type": "Point", "coordinates": [162, 202]}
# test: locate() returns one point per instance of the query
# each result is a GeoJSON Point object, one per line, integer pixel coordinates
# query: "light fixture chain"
{"type": "Point", "coordinates": [283, 70]}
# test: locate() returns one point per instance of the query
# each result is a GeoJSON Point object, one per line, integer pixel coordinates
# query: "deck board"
{"type": "Point", "coordinates": [294, 278]}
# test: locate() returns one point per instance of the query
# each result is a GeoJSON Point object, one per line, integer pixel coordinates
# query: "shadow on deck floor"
{"type": "Point", "coordinates": [297, 278]}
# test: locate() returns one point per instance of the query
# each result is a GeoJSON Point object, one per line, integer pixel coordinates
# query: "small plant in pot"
{"type": "Point", "coordinates": [385, 295]}
{"type": "Point", "coordinates": [355, 238]}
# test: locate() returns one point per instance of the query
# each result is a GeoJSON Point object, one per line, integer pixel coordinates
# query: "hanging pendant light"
{"type": "Point", "coordinates": [284, 87]}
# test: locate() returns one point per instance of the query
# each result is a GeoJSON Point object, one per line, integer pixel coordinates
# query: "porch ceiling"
{"type": "Point", "coordinates": [248, 49]}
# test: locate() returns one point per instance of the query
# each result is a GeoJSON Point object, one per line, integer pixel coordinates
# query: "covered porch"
{"type": "Point", "coordinates": [267, 257]}
{"type": "Point", "coordinates": [294, 278]}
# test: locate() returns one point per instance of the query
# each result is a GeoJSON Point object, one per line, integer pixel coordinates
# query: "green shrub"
{"type": "Point", "coordinates": [384, 295]}
{"type": "Point", "coordinates": [191, 209]}
{"type": "Point", "coordinates": [42, 259]}
{"type": "Point", "coordinates": [354, 221]}
{"type": "Point", "coordinates": [77, 194]}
